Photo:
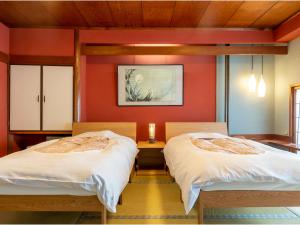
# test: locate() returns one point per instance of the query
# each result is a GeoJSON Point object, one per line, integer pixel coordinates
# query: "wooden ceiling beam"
{"type": "Point", "coordinates": [289, 30]}
{"type": "Point", "coordinates": [45, 60]}
{"type": "Point", "coordinates": [200, 36]}
{"type": "Point", "coordinates": [182, 50]}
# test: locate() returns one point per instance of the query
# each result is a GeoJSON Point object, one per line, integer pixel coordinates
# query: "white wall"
{"type": "Point", "coordinates": [248, 113]}
{"type": "Point", "coordinates": [220, 82]}
{"type": "Point", "coordinates": [287, 72]}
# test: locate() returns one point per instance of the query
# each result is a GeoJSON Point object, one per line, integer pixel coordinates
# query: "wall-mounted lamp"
{"type": "Point", "coordinates": [151, 132]}
{"type": "Point", "coordinates": [252, 79]}
{"type": "Point", "coordinates": [261, 92]}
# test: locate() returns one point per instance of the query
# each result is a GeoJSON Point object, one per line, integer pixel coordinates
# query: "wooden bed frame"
{"type": "Point", "coordinates": [234, 198]}
{"type": "Point", "coordinates": [68, 203]}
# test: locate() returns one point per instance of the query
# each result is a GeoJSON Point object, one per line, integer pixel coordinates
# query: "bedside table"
{"type": "Point", "coordinates": [150, 155]}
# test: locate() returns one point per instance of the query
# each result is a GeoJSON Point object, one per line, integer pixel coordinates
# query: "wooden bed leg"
{"type": "Point", "coordinates": [104, 216]}
{"type": "Point", "coordinates": [181, 196]}
{"type": "Point", "coordinates": [200, 212]}
{"type": "Point", "coordinates": [120, 200]}
{"type": "Point", "coordinates": [132, 174]}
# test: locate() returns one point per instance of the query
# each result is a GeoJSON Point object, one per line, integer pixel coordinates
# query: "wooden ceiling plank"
{"type": "Point", "coordinates": [218, 13]}
{"type": "Point", "coordinates": [158, 13]}
{"type": "Point", "coordinates": [188, 13]}
{"type": "Point", "coordinates": [280, 12]}
{"type": "Point", "coordinates": [7, 16]}
{"type": "Point", "coordinates": [183, 50]}
{"type": "Point", "coordinates": [95, 13]}
{"type": "Point", "coordinates": [255, 14]}
{"type": "Point", "coordinates": [65, 12]}
{"type": "Point", "coordinates": [248, 12]}
{"type": "Point", "coordinates": [26, 14]}
{"type": "Point", "coordinates": [126, 14]}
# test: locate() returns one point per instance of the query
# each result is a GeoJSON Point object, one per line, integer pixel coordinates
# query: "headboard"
{"type": "Point", "coordinates": [177, 128]}
{"type": "Point", "coordinates": [123, 128]}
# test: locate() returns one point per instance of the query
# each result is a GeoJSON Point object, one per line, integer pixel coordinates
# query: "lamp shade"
{"type": "Point", "coordinates": [252, 83]}
{"type": "Point", "coordinates": [151, 132]}
{"type": "Point", "coordinates": [261, 92]}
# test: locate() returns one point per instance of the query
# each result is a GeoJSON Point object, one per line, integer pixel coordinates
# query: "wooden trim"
{"type": "Point", "coordinates": [110, 50]}
{"type": "Point", "coordinates": [123, 128]}
{"type": "Point", "coordinates": [76, 101]}
{"type": "Point", "coordinates": [227, 89]}
{"type": "Point", "coordinates": [292, 112]}
{"type": "Point", "coordinates": [42, 60]}
{"type": "Point", "coordinates": [41, 96]}
{"type": "Point", "coordinates": [281, 137]}
{"type": "Point", "coordinates": [9, 138]}
{"type": "Point", "coordinates": [236, 199]}
{"type": "Point", "coordinates": [57, 203]}
{"type": "Point", "coordinates": [176, 128]}
{"type": "Point", "coordinates": [41, 132]}
{"type": "Point", "coordinates": [4, 57]}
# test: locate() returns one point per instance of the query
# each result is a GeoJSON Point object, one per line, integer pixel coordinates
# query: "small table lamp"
{"type": "Point", "coordinates": [151, 132]}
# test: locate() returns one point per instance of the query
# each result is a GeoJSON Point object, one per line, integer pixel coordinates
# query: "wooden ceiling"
{"type": "Point", "coordinates": [244, 14]}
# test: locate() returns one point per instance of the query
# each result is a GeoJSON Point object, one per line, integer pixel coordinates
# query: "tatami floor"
{"type": "Point", "coordinates": [155, 199]}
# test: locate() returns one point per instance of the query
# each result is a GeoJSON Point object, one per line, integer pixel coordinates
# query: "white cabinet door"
{"type": "Point", "coordinates": [25, 82]}
{"type": "Point", "coordinates": [57, 97]}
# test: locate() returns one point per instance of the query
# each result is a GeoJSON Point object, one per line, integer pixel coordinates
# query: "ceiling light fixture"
{"type": "Point", "coordinates": [261, 84]}
{"type": "Point", "coordinates": [252, 79]}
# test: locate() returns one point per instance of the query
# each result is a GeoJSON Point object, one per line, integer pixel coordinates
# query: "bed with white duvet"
{"type": "Point", "coordinates": [196, 169]}
{"type": "Point", "coordinates": [102, 171]}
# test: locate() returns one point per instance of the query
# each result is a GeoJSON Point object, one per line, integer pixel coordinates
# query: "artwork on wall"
{"type": "Point", "coordinates": [149, 85]}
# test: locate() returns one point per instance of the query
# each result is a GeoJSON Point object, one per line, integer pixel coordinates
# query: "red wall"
{"type": "Point", "coordinates": [42, 42]}
{"type": "Point", "coordinates": [4, 38]}
{"type": "Point", "coordinates": [199, 92]}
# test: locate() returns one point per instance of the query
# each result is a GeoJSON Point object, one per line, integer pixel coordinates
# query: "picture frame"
{"type": "Point", "coordinates": [150, 85]}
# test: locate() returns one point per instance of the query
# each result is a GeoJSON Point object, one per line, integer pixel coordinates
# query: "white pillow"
{"type": "Point", "coordinates": [105, 133]}
{"type": "Point", "coordinates": [206, 135]}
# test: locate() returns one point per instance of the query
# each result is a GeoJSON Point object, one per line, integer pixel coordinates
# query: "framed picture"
{"type": "Point", "coordinates": [149, 85]}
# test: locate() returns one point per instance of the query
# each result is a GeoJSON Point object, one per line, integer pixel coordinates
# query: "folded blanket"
{"type": "Point", "coordinates": [76, 144]}
{"type": "Point", "coordinates": [226, 145]}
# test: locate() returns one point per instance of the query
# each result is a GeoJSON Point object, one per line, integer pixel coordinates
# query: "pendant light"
{"type": "Point", "coordinates": [252, 79]}
{"type": "Point", "coordinates": [261, 84]}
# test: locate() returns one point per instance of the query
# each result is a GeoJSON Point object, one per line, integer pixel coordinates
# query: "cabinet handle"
{"type": "Point", "coordinates": [38, 98]}
{"type": "Point", "coordinates": [44, 98]}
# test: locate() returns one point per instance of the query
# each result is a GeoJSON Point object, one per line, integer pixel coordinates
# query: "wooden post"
{"type": "Point", "coordinates": [76, 104]}
{"type": "Point", "coordinates": [200, 212]}
{"type": "Point", "coordinates": [227, 89]}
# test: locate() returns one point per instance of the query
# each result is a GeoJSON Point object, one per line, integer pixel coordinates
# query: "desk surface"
{"type": "Point", "coordinates": [146, 144]}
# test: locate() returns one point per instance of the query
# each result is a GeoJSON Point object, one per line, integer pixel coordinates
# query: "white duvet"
{"type": "Point", "coordinates": [195, 169]}
{"type": "Point", "coordinates": [102, 172]}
